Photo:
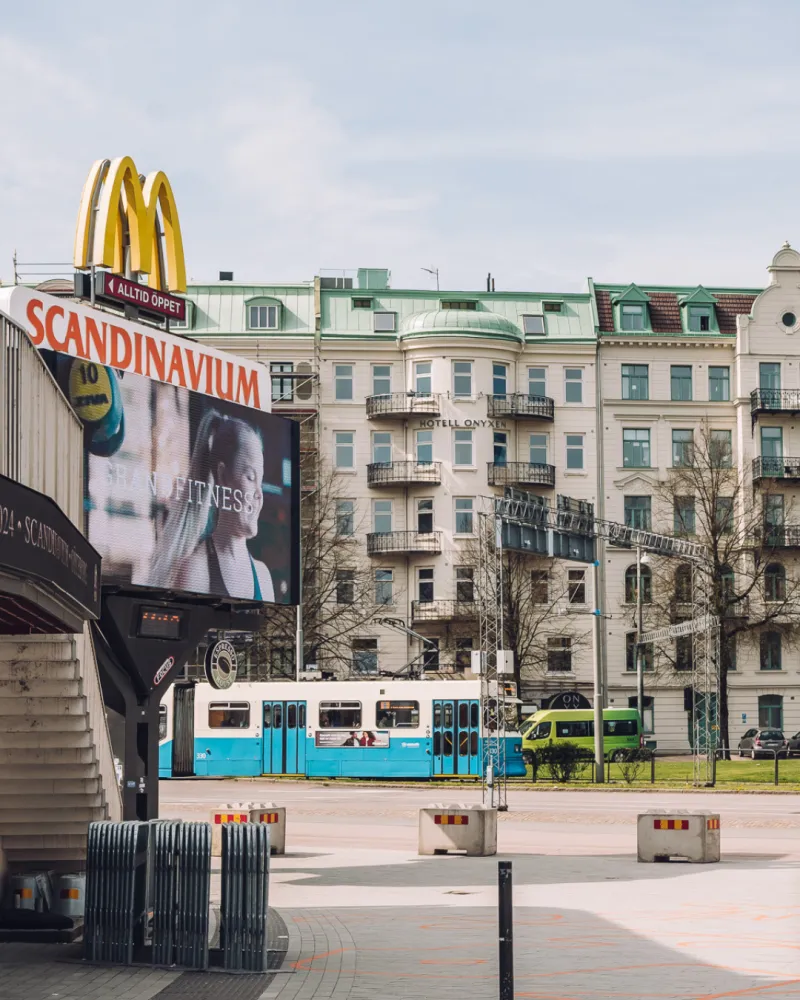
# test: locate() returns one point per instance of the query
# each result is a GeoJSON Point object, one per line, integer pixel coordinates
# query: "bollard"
{"type": "Point", "coordinates": [275, 816]}
{"type": "Point", "coordinates": [505, 928]}
{"type": "Point", "coordinates": [468, 828]}
{"type": "Point", "coordinates": [233, 812]}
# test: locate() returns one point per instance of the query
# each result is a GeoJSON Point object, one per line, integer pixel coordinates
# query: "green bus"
{"type": "Point", "coordinates": [622, 730]}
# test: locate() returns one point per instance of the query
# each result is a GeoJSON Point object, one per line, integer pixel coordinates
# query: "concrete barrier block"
{"type": "Point", "coordinates": [268, 812]}
{"type": "Point", "coordinates": [231, 812]}
{"type": "Point", "coordinates": [683, 835]}
{"type": "Point", "coordinates": [471, 829]}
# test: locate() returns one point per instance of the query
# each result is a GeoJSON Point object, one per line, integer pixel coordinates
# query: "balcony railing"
{"type": "Point", "coordinates": [394, 473]}
{"type": "Point", "coordinates": [783, 536]}
{"type": "Point", "coordinates": [403, 404]}
{"type": "Point", "coordinates": [681, 611]}
{"type": "Point", "coordinates": [521, 473]}
{"type": "Point", "coordinates": [521, 406]}
{"type": "Point", "coordinates": [776, 468]}
{"type": "Point", "coordinates": [443, 611]}
{"type": "Point", "coordinates": [775, 401]}
{"type": "Point", "coordinates": [379, 543]}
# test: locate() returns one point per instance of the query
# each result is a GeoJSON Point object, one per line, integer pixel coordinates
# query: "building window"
{"type": "Point", "coordinates": [463, 654]}
{"type": "Point", "coordinates": [648, 713]}
{"type": "Point", "coordinates": [430, 655]}
{"type": "Point", "coordinates": [470, 304]}
{"type": "Point", "coordinates": [422, 378]}
{"type": "Point", "coordinates": [229, 715]}
{"type": "Point", "coordinates": [264, 317]}
{"type": "Point", "coordinates": [533, 325]}
{"type": "Point", "coordinates": [684, 516]}
{"type": "Point", "coordinates": [465, 584]}
{"type": "Point", "coordinates": [769, 376]}
{"type": "Point", "coordinates": [720, 449]}
{"type": "Point", "coordinates": [719, 384]}
{"type": "Point", "coordinates": [682, 449]}
{"type": "Point", "coordinates": [559, 655]}
{"type": "Point", "coordinates": [462, 450]}
{"type": "Point", "coordinates": [500, 444]}
{"type": "Point", "coordinates": [381, 516]}
{"type": "Point", "coordinates": [537, 444]}
{"type": "Point", "coordinates": [630, 654]}
{"type": "Point", "coordinates": [499, 380]}
{"type": "Point", "coordinates": [772, 442]}
{"type": "Point", "coordinates": [384, 580]}
{"type": "Point", "coordinates": [683, 584]}
{"type": "Point", "coordinates": [362, 303]}
{"type": "Point", "coordinates": [540, 586]}
{"type": "Point", "coordinates": [723, 515]}
{"type": "Point", "coordinates": [636, 448]}
{"type": "Point", "coordinates": [773, 513]}
{"type": "Point", "coordinates": [424, 447]}
{"type": "Point", "coordinates": [770, 649]}
{"type": "Point", "coordinates": [630, 585]}
{"type": "Point", "coordinates": [381, 380]}
{"type": "Point", "coordinates": [574, 451]}
{"type": "Point", "coordinates": [343, 381]}
{"type": "Point", "coordinates": [425, 516]}
{"type": "Point", "coordinates": [727, 583]}
{"type": "Point", "coordinates": [345, 518]}
{"type": "Point", "coordinates": [345, 586]}
{"type": "Point", "coordinates": [573, 385]}
{"type": "Point", "coordinates": [464, 515]}
{"type": "Point", "coordinates": [537, 381]}
{"type": "Point", "coordinates": [681, 381]}
{"type": "Point", "coordinates": [397, 714]}
{"type": "Point", "coordinates": [381, 447]}
{"type": "Point", "coordinates": [637, 512]}
{"type": "Point", "coordinates": [425, 585]}
{"type": "Point", "coordinates": [345, 449]}
{"type": "Point", "coordinates": [631, 317]}
{"type": "Point", "coordinates": [282, 388]}
{"type": "Point", "coordinates": [341, 714]}
{"type": "Point", "coordinates": [365, 655]}
{"type": "Point", "coordinates": [384, 322]}
{"type": "Point", "coordinates": [684, 656]}
{"type": "Point", "coordinates": [462, 379]}
{"type": "Point", "coordinates": [699, 319]}
{"type": "Point", "coordinates": [770, 711]}
{"type": "Point", "coordinates": [635, 382]}
{"type": "Point", "coordinates": [553, 307]}
{"type": "Point", "coordinates": [577, 586]}
{"type": "Point", "coordinates": [774, 582]}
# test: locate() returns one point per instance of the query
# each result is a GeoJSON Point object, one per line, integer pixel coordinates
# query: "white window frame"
{"type": "Point", "coordinates": [374, 377]}
{"type": "Point", "coordinates": [382, 583]}
{"type": "Point", "coordinates": [351, 444]}
{"type": "Point", "coordinates": [573, 381]}
{"type": "Point", "coordinates": [382, 513]}
{"type": "Point", "coordinates": [456, 442]}
{"type": "Point", "coordinates": [426, 445]}
{"type": "Point", "coordinates": [462, 375]}
{"type": "Point", "coordinates": [534, 321]}
{"type": "Point", "coordinates": [337, 378]}
{"type": "Point", "coordinates": [428, 375]}
{"type": "Point", "coordinates": [384, 321]}
{"type": "Point", "coordinates": [538, 434]}
{"type": "Point", "coordinates": [537, 368]}
{"type": "Point", "coordinates": [572, 447]}
{"type": "Point", "coordinates": [464, 510]}
{"type": "Point", "coordinates": [255, 308]}
{"type": "Point", "coordinates": [375, 434]}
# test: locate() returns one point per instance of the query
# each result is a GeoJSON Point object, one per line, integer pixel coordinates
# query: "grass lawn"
{"type": "Point", "coordinates": [679, 771]}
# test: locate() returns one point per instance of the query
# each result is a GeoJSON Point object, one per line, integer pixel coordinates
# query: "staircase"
{"type": "Point", "coordinates": [56, 765]}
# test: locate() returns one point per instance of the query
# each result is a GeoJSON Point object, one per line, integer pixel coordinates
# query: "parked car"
{"type": "Point", "coordinates": [763, 743]}
{"type": "Point", "coordinates": [793, 746]}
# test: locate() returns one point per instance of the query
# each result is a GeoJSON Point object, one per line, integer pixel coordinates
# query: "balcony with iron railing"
{"type": "Point", "coordinates": [521, 474]}
{"type": "Point", "coordinates": [521, 406]}
{"type": "Point", "coordinates": [780, 536]}
{"type": "Point", "coordinates": [385, 542]}
{"type": "Point", "coordinates": [774, 401]}
{"type": "Point", "coordinates": [443, 611]}
{"type": "Point", "coordinates": [400, 473]}
{"type": "Point", "coordinates": [403, 404]}
{"type": "Point", "coordinates": [776, 468]}
{"type": "Point", "coordinates": [681, 611]}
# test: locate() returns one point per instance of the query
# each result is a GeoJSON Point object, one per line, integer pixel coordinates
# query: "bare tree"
{"type": "Point", "coordinates": [745, 581]}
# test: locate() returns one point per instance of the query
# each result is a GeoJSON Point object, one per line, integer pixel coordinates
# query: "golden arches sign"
{"type": "Point", "coordinates": [113, 197]}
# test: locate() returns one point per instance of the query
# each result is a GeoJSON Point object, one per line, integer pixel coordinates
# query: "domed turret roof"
{"type": "Point", "coordinates": [462, 322]}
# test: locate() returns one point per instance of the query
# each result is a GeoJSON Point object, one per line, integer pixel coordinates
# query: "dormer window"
{"type": "Point", "coordinates": [553, 307]}
{"type": "Point", "coordinates": [698, 311]}
{"type": "Point", "coordinates": [470, 304]}
{"type": "Point", "coordinates": [264, 316]}
{"type": "Point", "coordinates": [699, 318]}
{"type": "Point", "coordinates": [630, 307]}
{"type": "Point", "coordinates": [632, 316]}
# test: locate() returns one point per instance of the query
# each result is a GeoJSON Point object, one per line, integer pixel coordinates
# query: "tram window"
{"type": "Point", "coordinates": [277, 715]}
{"type": "Point", "coordinates": [473, 744]}
{"type": "Point", "coordinates": [301, 716]}
{"type": "Point", "coordinates": [229, 715]}
{"type": "Point", "coordinates": [340, 715]}
{"type": "Point", "coordinates": [437, 743]}
{"type": "Point", "coordinates": [448, 744]}
{"type": "Point", "coordinates": [473, 715]}
{"type": "Point", "coordinates": [463, 744]}
{"type": "Point", "coordinates": [463, 715]}
{"type": "Point", "coordinates": [448, 715]}
{"type": "Point", "coordinates": [162, 722]}
{"type": "Point", "coordinates": [437, 716]}
{"type": "Point", "coordinates": [291, 716]}
{"type": "Point", "coordinates": [268, 716]}
{"type": "Point", "coordinates": [397, 714]}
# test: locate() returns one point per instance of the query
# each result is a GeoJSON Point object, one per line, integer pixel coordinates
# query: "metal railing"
{"type": "Point", "coordinates": [446, 610]}
{"type": "Point", "coordinates": [776, 468]}
{"type": "Point", "coordinates": [775, 401]}
{"type": "Point", "coordinates": [404, 541]}
{"type": "Point", "coordinates": [403, 404]}
{"type": "Point", "coordinates": [528, 473]}
{"type": "Point", "coordinates": [781, 536]}
{"type": "Point", "coordinates": [391, 473]}
{"type": "Point", "coordinates": [520, 404]}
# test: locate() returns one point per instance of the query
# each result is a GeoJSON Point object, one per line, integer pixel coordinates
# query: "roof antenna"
{"type": "Point", "coordinates": [434, 271]}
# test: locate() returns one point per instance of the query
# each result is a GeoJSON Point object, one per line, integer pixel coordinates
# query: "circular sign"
{"type": "Point", "coordinates": [90, 391]}
{"type": "Point", "coordinates": [221, 664]}
{"type": "Point", "coordinates": [569, 700]}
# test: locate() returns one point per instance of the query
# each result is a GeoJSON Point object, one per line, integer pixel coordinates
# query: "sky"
{"type": "Point", "coordinates": [627, 140]}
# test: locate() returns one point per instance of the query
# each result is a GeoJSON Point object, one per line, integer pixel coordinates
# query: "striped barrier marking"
{"type": "Point", "coordinates": [267, 817]}
{"type": "Point", "coordinates": [450, 820]}
{"type": "Point", "coordinates": [712, 824]}
{"type": "Point", "coordinates": [230, 818]}
{"type": "Point", "coordinates": [25, 893]}
{"type": "Point", "coordinates": [670, 824]}
{"type": "Point", "coordinates": [70, 894]}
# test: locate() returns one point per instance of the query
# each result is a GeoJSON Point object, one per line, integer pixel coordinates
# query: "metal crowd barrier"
{"type": "Point", "coordinates": [245, 896]}
{"type": "Point", "coordinates": [181, 878]}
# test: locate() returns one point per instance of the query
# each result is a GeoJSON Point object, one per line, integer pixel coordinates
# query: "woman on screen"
{"type": "Point", "coordinates": [202, 546]}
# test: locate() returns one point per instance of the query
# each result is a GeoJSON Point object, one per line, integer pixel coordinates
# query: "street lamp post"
{"type": "Point", "coordinates": [599, 750]}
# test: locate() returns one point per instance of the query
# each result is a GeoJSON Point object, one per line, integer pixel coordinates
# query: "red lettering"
{"type": "Point", "coordinates": [52, 340]}
{"type": "Point", "coordinates": [195, 373]}
{"type": "Point", "coordinates": [176, 366]}
{"type": "Point", "coordinates": [137, 352]}
{"type": "Point", "coordinates": [120, 337]}
{"type": "Point", "coordinates": [38, 329]}
{"type": "Point", "coordinates": [95, 343]}
{"type": "Point", "coordinates": [154, 353]}
{"type": "Point", "coordinates": [224, 392]}
{"type": "Point", "coordinates": [247, 386]}
{"type": "Point", "coordinates": [74, 336]}
{"type": "Point", "coordinates": [209, 373]}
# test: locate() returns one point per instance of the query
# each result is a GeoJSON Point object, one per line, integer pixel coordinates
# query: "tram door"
{"type": "Point", "coordinates": [284, 737]}
{"type": "Point", "coordinates": [183, 731]}
{"type": "Point", "coordinates": [456, 730]}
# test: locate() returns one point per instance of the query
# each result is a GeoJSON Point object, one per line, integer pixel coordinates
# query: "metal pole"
{"type": "Point", "coordinates": [599, 755]}
{"type": "Point", "coordinates": [639, 631]}
{"type": "Point", "coordinates": [298, 639]}
{"type": "Point", "coordinates": [505, 929]}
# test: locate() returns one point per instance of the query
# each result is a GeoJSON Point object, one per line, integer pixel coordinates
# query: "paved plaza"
{"type": "Point", "coordinates": [366, 917]}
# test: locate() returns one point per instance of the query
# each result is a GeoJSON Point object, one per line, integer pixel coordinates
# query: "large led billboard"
{"type": "Point", "coordinates": [185, 491]}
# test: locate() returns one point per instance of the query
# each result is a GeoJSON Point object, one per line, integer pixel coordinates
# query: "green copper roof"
{"type": "Point", "coordinates": [467, 322]}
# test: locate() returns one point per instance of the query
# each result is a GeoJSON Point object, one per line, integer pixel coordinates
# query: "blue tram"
{"type": "Point", "coordinates": [331, 729]}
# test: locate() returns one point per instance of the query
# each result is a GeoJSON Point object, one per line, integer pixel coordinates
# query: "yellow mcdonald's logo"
{"type": "Point", "coordinates": [119, 210]}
